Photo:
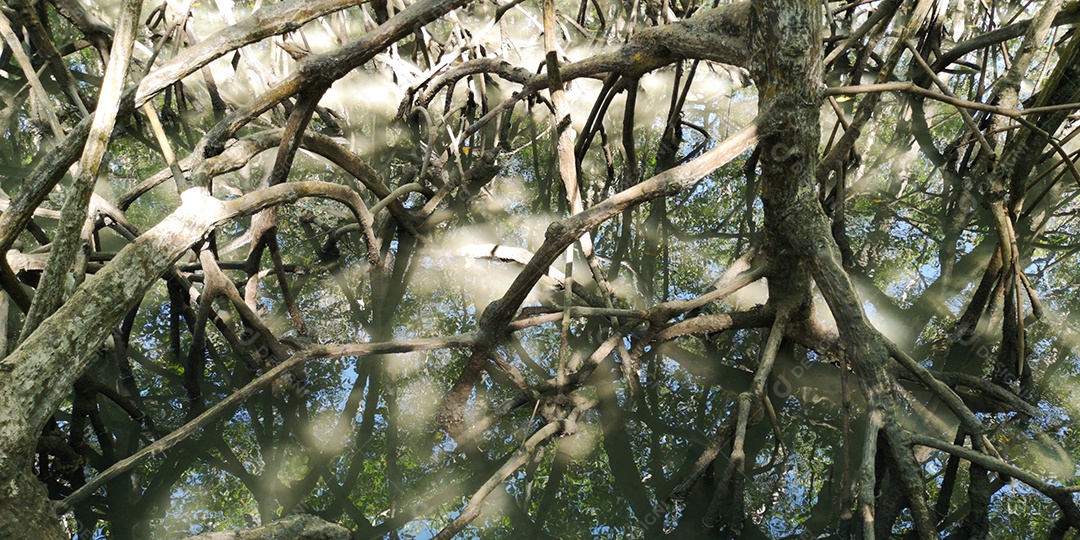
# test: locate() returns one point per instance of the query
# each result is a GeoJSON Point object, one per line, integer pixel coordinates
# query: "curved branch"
{"type": "Point", "coordinates": [37, 375]}
{"type": "Point", "coordinates": [269, 21]}
{"type": "Point", "coordinates": [561, 234]}
{"type": "Point", "coordinates": [717, 34]}
{"type": "Point", "coordinates": [519, 458]}
{"type": "Point", "coordinates": [1062, 495]}
{"type": "Point", "coordinates": [323, 69]}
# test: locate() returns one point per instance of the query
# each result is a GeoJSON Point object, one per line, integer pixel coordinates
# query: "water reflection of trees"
{"type": "Point", "coordinates": [562, 270]}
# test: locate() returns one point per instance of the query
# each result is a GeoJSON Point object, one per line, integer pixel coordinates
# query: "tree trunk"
{"type": "Point", "coordinates": [38, 375]}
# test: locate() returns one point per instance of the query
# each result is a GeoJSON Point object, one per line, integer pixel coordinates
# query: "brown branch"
{"type": "Point", "coordinates": [867, 478]}
{"type": "Point", "coordinates": [323, 69]}
{"type": "Point", "coordinates": [39, 94]}
{"type": "Point", "coordinates": [912, 88]}
{"type": "Point", "coordinates": [999, 35]}
{"type": "Point", "coordinates": [711, 324]}
{"type": "Point", "coordinates": [970, 422]}
{"type": "Point", "coordinates": [273, 19]}
{"type": "Point", "coordinates": [226, 405]}
{"type": "Point", "coordinates": [741, 274]}
{"type": "Point", "coordinates": [561, 234]}
{"type": "Point", "coordinates": [1062, 495]}
{"type": "Point", "coordinates": [712, 34]}
{"type": "Point", "coordinates": [270, 20]}
{"type": "Point", "coordinates": [519, 458]}
{"type": "Point", "coordinates": [71, 229]}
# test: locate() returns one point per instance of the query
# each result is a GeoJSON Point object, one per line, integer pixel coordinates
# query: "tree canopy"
{"type": "Point", "coordinates": [437, 268]}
